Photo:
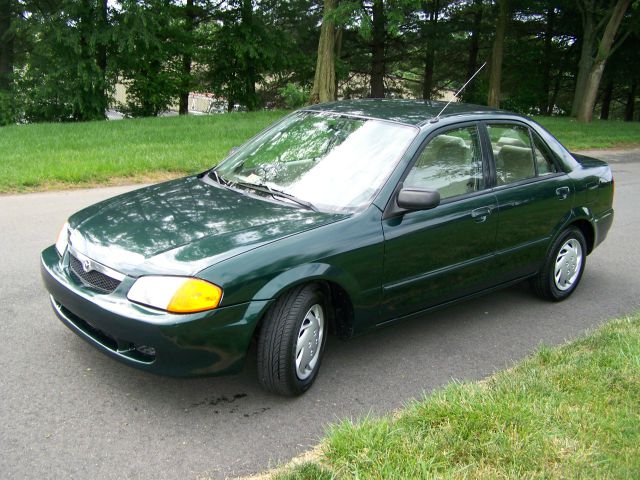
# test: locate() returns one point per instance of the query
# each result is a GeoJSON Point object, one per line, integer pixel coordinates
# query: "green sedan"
{"type": "Point", "coordinates": [340, 218]}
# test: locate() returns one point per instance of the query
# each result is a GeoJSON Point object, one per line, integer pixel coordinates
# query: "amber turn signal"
{"type": "Point", "coordinates": [195, 295]}
{"type": "Point", "coordinates": [175, 294]}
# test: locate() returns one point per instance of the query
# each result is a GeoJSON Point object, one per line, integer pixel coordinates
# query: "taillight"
{"type": "Point", "coordinates": [613, 186]}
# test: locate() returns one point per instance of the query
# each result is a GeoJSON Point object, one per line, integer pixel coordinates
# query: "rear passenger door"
{"type": "Point", "coordinates": [534, 196]}
{"type": "Point", "coordinates": [432, 256]}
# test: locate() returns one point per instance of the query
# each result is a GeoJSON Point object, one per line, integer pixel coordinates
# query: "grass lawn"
{"type": "Point", "coordinates": [568, 412]}
{"type": "Point", "coordinates": [56, 155]}
{"type": "Point", "coordinates": [597, 134]}
{"type": "Point", "coordinates": [41, 156]}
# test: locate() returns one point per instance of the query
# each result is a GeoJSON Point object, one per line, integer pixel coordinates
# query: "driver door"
{"type": "Point", "coordinates": [437, 255]}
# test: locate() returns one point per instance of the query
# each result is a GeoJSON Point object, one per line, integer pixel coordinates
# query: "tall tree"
{"type": "Point", "coordinates": [607, 96]}
{"type": "Point", "coordinates": [324, 82]}
{"type": "Point", "coordinates": [187, 57]}
{"type": "Point", "coordinates": [495, 70]}
{"type": "Point", "coordinates": [6, 44]}
{"type": "Point", "coordinates": [242, 50]}
{"type": "Point", "coordinates": [247, 25]}
{"type": "Point", "coordinates": [378, 42]}
{"type": "Point", "coordinates": [101, 54]}
{"type": "Point", "coordinates": [549, 32]}
{"type": "Point", "coordinates": [7, 40]}
{"type": "Point", "coordinates": [64, 77]}
{"type": "Point", "coordinates": [586, 103]}
{"type": "Point", "coordinates": [630, 106]}
{"type": "Point", "coordinates": [586, 41]}
{"type": "Point", "coordinates": [148, 60]}
{"type": "Point", "coordinates": [474, 48]}
{"type": "Point", "coordinates": [432, 11]}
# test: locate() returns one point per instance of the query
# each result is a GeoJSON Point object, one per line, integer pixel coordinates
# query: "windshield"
{"type": "Point", "coordinates": [333, 162]}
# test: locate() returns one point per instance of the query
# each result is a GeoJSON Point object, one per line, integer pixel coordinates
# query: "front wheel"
{"type": "Point", "coordinates": [292, 340]}
{"type": "Point", "coordinates": [563, 268]}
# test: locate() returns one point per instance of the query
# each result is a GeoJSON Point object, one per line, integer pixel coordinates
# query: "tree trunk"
{"type": "Point", "coordinates": [6, 45]}
{"type": "Point", "coordinates": [606, 101]}
{"type": "Point", "coordinates": [427, 83]}
{"type": "Point", "coordinates": [185, 83]}
{"type": "Point", "coordinates": [338, 50]}
{"type": "Point", "coordinates": [324, 81]}
{"type": "Point", "coordinates": [495, 73]}
{"type": "Point", "coordinates": [554, 95]}
{"type": "Point", "coordinates": [564, 64]}
{"type": "Point", "coordinates": [474, 47]}
{"type": "Point", "coordinates": [585, 107]}
{"type": "Point", "coordinates": [250, 71]}
{"type": "Point", "coordinates": [429, 60]}
{"type": "Point", "coordinates": [377, 50]}
{"type": "Point", "coordinates": [587, 41]}
{"type": "Point", "coordinates": [631, 102]}
{"type": "Point", "coordinates": [101, 54]}
{"type": "Point", "coordinates": [546, 69]}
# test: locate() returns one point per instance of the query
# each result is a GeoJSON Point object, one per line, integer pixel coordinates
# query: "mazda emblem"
{"type": "Point", "coordinates": [86, 265]}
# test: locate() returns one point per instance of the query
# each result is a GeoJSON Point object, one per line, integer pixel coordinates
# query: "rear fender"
{"type": "Point", "coordinates": [577, 214]}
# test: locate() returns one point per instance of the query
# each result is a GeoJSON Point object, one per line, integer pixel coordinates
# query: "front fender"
{"type": "Point", "coordinates": [363, 301]}
{"type": "Point", "coordinates": [304, 274]}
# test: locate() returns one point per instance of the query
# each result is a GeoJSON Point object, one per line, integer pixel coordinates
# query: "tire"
{"type": "Point", "coordinates": [567, 258]}
{"type": "Point", "coordinates": [301, 311]}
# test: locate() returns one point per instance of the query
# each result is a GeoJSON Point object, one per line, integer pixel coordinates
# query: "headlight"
{"type": "Point", "coordinates": [175, 294]}
{"type": "Point", "coordinates": [63, 239]}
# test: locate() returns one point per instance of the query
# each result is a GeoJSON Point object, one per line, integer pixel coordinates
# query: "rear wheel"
{"type": "Point", "coordinates": [292, 340]}
{"type": "Point", "coordinates": [563, 267]}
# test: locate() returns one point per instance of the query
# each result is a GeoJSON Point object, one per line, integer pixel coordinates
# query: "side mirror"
{"type": "Point", "coordinates": [418, 199]}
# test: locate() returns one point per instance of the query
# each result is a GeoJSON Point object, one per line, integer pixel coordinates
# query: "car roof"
{"type": "Point", "coordinates": [409, 112]}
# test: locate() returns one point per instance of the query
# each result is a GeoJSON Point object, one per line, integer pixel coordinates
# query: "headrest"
{"type": "Point", "coordinates": [516, 142]}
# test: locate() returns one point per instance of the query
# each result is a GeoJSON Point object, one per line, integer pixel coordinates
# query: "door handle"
{"type": "Point", "coordinates": [480, 214]}
{"type": "Point", "coordinates": [562, 192]}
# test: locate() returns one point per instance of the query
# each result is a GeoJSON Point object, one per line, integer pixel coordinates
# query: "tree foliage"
{"type": "Point", "coordinates": [147, 60]}
{"type": "Point", "coordinates": [62, 60]}
{"type": "Point", "coordinates": [63, 77]}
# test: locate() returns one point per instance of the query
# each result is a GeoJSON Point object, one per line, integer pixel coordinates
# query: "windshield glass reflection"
{"type": "Point", "coordinates": [334, 162]}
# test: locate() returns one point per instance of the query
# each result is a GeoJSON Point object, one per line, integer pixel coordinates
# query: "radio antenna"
{"type": "Point", "coordinates": [458, 92]}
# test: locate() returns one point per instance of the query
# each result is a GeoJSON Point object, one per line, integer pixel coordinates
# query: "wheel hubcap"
{"type": "Point", "coordinates": [568, 264]}
{"type": "Point", "coordinates": [309, 342]}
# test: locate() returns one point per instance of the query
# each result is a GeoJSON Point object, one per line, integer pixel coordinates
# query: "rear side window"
{"type": "Point", "coordinates": [511, 145]}
{"type": "Point", "coordinates": [451, 163]}
{"type": "Point", "coordinates": [543, 157]}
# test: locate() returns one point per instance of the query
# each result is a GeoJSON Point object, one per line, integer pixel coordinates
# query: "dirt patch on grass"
{"type": "Point", "coordinates": [154, 177]}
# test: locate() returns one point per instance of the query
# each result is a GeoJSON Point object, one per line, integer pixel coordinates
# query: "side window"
{"type": "Point", "coordinates": [543, 158]}
{"type": "Point", "coordinates": [450, 163]}
{"type": "Point", "coordinates": [512, 152]}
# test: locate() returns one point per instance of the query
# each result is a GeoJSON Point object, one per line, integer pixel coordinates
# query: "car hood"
{"type": "Point", "coordinates": [183, 226]}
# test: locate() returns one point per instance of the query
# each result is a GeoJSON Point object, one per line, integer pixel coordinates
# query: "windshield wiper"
{"type": "Point", "coordinates": [218, 178]}
{"type": "Point", "coordinates": [276, 193]}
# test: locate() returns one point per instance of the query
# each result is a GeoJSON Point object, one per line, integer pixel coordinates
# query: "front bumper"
{"type": "Point", "coordinates": [199, 344]}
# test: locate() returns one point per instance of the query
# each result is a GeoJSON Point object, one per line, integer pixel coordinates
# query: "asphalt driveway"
{"type": "Point", "coordinates": [67, 411]}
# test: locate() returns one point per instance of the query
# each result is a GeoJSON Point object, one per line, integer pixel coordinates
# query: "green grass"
{"type": "Point", "coordinates": [597, 134]}
{"type": "Point", "coordinates": [40, 155]}
{"type": "Point", "coordinates": [34, 157]}
{"type": "Point", "coordinates": [568, 412]}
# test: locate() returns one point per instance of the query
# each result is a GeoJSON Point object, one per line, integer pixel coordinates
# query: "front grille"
{"type": "Point", "coordinates": [92, 279]}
